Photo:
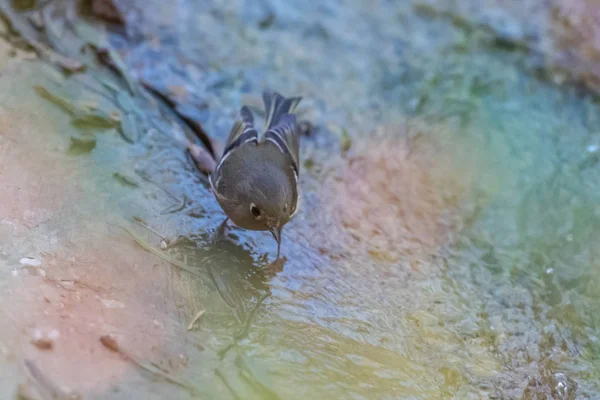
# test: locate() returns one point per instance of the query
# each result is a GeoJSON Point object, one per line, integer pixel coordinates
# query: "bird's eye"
{"type": "Point", "coordinates": [254, 210]}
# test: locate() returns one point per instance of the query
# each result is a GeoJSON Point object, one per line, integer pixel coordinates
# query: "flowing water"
{"type": "Point", "coordinates": [445, 246]}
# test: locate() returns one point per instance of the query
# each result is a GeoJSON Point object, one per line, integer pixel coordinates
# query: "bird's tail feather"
{"type": "Point", "coordinates": [276, 106]}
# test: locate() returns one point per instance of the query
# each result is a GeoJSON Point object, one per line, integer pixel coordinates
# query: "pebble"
{"type": "Point", "coordinates": [108, 303]}
{"type": "Point", "coordinates": [30, 262]}
{"type": "Point", "coordinates": [27, 391]}
{"type": "Point", "coordinates": [110, 342]}
{"type": "Point", "coordinates": [45, 340]}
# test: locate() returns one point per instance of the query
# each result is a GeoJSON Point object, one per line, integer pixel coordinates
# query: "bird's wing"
{"type": "Point", "coordinates": [242, 132]}
{"type": "Point", "coordinates": [286, 137]}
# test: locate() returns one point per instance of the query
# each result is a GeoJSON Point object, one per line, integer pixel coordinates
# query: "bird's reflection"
{"type": "Point", "coordinates": [240, 280]}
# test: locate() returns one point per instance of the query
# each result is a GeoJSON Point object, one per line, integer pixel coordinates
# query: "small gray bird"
{"type": "Point", "coordinates": [256, 180]}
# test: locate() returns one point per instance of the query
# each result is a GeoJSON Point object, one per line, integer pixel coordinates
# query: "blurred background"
{"type": "Point", "coordinates": [446, 244]}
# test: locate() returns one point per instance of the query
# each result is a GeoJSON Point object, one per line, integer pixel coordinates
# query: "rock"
{"type": "Point", "coordinates": [202, 159]}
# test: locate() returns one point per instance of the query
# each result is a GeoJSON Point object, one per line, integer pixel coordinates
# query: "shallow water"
{"type": "Point", "coordinates": [445, 245]}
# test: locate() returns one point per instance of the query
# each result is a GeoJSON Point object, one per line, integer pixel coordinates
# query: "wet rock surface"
{"type": "Point", "coordinates": [445, 244]}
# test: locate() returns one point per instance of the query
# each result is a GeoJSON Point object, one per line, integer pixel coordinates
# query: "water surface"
{"type": "Point", "coordinates": [445, 245]}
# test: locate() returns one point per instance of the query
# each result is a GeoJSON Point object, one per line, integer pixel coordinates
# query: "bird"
{"type": "Point", "coordinates": [256, 179]}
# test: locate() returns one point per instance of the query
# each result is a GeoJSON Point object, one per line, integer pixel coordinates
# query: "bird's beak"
{"type": "Point", "coordinates": [276, 232]}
